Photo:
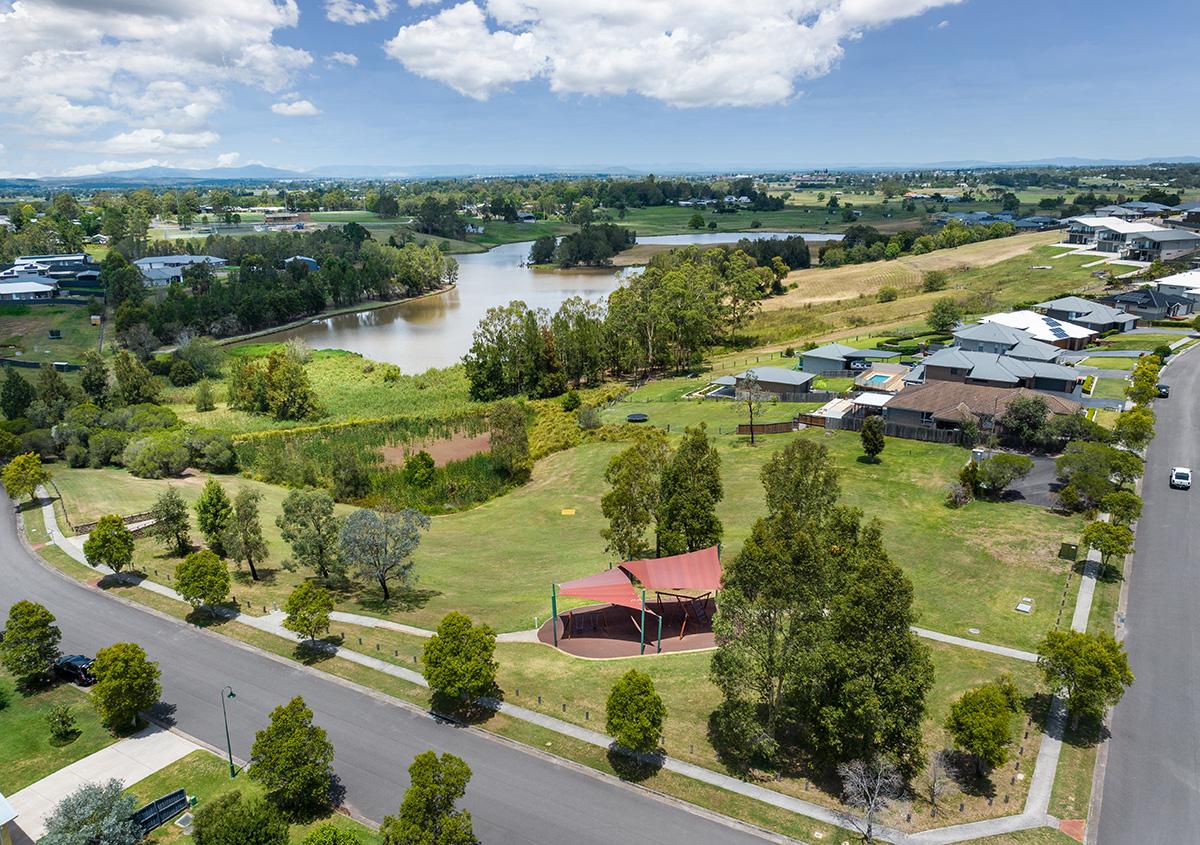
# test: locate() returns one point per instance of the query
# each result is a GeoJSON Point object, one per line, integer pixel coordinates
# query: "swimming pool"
{"type": "Point", "coordinates": [878, 378]}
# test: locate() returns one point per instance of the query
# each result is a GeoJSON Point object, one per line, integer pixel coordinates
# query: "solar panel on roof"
{"type": "Point", "coordinates": [1050, 321]}
{"type": "Point", "coordinates": [1059, 333]}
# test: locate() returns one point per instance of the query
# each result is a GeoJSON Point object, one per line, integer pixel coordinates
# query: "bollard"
{"type": "Point", "coordinates": [377, 646]}
{"type": "Point", "coordinates": [1006, 798]}
{"type": "Point", "coordinates": [564, 707]}
{"type": "Point", "coordinates": [1021, 751]}
{"type": "Point", "coordinates": [1027, 734]}
{"type": "Point", "coordinates": [414, 659]}
{"type": "Point", "coordinates": [1018, 766]}
{"type": "Point", "coordinates": [908, 817]}
{"type": "Point", "coordinates": [961, 806]}
{"type": "Point", "coordinates": [539, 699]}
{"type": "Point", "coordinates": [395, 652]}
{"type": "Point", "coordinates": [360, 640]}
{"type": "Point", "coordinates": [587, 716]}
{"type": "Point", "coordinates": [518, 692]}
{"type": "Point", "coordinates": [989, 800]}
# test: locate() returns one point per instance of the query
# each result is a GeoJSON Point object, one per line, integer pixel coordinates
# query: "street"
{"type": "Point", "coordinates": [1152, 784]}
{"type": "Point", "coordinates": [514, 796]}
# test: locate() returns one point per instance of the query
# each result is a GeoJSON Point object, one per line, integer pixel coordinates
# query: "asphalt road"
{"type": "Point", "coordinates": [514, 796]}
{"type": "Point", "coordinates": [1152, 782]}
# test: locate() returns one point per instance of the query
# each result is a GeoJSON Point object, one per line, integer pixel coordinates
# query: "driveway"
{"type": "Point", "coordinates": [1152, 781]}
{"type": "Point", "coordinates": [515, 796]}
{"type": "Point", "coordinates": [1040, 487]}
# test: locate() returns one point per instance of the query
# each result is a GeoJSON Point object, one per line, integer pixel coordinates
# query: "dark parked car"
{"type": "Point", "coordinates": [1164, 390]}
{"type": "Point", "coordinates": [75, 668]}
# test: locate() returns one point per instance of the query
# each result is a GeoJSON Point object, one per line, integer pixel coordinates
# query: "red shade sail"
{"type": "Point", "coordinates": [612, 586]}
{"type": "Point", "coordinates": [699, 570]}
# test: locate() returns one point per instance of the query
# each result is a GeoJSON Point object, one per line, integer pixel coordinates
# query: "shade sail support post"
{"type": "Point", "coordinates": [643, 627]}
{"type": "Point", "coordinates": [554, 611]}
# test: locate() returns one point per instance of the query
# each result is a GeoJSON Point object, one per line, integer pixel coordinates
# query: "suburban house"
{"type": "Point", "coordinates": [989, 368]}
{"type": "Point", "coordinates": [837, 357]}
{"type": "Point", "coordinates": [155, 262]}
{"type": "Point", "coordinates": [1091, 315]}
{"type": "Point", "coordinates": [948, 404]}
{"type": "Point", "coordinates": [1186, 285]}
{"type": "Point", "coordinates": [19, 288]}
{"type": "Point", "coordinates": [1151, 304]}
{"type": "Point", "coordinates": [774, 383]}
{"type": "Point", "coordinates": [1044, 328]}
{"type": "Point", "coordinates": [1119, 211]}
{"type": "Point", "coordinates": [1037, 223]}
{"type": "Point", "coordinates": [311, 263]}
{"type": "Point", "coordinates": [1162, 245]}
{"type": "Point", "coordinates": [1146, 209]}
{"type": "Point", "coordinates": [1004, 340]}
{"type": "Point", "coordinates": [7, 816]}
{"type": "Point", "coordinates": [1105, 234]}
{"type": "Point", "coordinates": [66, 268]}
{"type": "Point", "coordinates": [161, 277]}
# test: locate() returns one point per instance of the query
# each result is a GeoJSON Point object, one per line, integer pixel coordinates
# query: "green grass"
{"type": "Point", "coordinates": [837, 385]}
{"type": "Point", "coordinates": [1145, 342]}
{"type": "Point", "coordinates": [348, 387]}
{"type": "Point", "coordinates": [27, 754]}
{"type": "Point", "coordinates": [350, 216]}
{"type": "Point", "coordinates": [496, 232]}
{"type": "Point", "coordinates": [24, 332]}
{"type": "Point", "coordinates": [841, 301]}
{"type": "Point", "coordinates": [1105, 363]}
{"type": "Point", "coordinates": [205, 775]}
{"type": "Point", "coordinates": [496, 562]}
{"type": "Point", "coordinates": [1110, 388]}
{"type": "Point", "coordinates": [575, 690]}
{"type": "Point", "coordinates": [1033, 836]}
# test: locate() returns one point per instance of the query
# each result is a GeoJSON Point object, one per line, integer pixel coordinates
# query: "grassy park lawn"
{"type": "Point", "coordinates": [575, 690]}
{"type": "Point", "coordinates": [662, 401]}
{"type": "Point", "coordinates": [25, 331]}
{"type": "Point", "coordinates": [1033, 836]}
{"type": "Point", "coordinates": [205, 775]}
{"type": "Point", "coordinates": [27, 753]}
{"type": "Point", "coordinates": [1106, 363]}
{"type": "Point", "coordinates": [496, 232]}
{"type": "Point", "coordinates": [1109, 388]}
{"type": "Point", "coordinates": [496, 562]}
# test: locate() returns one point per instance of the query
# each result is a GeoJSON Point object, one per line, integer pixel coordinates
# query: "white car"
{"type": "Point", "coordinates": [1181, 478]}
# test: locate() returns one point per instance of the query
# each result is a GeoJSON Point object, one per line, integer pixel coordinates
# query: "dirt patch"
{"type": "Point", "coordinates": [443, 451]}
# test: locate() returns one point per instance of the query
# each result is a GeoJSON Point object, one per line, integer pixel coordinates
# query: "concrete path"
{"type": "Point", "coordinates": [129, 761]}
{"type": "Point", "coordinates": [1035, 813]}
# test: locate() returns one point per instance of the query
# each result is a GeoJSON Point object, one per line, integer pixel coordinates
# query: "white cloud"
{"type": "Point", "coordinates": [943, 24]}
{"type": "Point", "coordinates": [682, 52]}
{"type": "Point", "coordinates": [354, 13]}
{"type": "Point", "coordinates": [151, 140]}
{"type": "Point", "coordinates": [71, 66]}
{"type": "Point", "coordinates": [296, 108]}
{"type": "Point", "coordinates": [228, 159]}
{"type": "Point", "coordinates": [110, 166]}
{"type": "Point", "coordinates": [340, 58]}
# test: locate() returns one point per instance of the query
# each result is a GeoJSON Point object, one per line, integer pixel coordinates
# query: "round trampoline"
{"type": "Point", "coordinates": [637, 418]}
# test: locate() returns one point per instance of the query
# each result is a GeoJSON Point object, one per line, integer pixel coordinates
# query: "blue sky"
{"type": "Point", "coordinates": [107, 84]}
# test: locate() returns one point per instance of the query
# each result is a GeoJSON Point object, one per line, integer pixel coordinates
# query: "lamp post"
{"type": "Point", "coordinates": [228, 692]}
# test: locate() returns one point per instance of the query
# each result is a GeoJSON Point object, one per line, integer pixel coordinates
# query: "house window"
{"type": "Point", "coordinates": [927, 418]}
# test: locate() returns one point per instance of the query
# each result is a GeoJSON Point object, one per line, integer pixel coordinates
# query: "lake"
{"type": "Point", "coordinates": [436, 331]}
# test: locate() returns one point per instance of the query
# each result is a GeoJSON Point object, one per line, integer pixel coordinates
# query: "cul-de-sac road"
{"type": "Point", "coordinates": [514, 796]}
{"type": "Point", "coordinates": [1152, 782]}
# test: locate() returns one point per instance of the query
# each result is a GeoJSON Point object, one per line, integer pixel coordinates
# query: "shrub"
{"type": "Point", "coordinates": [210, 451]}
{"type": "Point", "coordinates": [419, 470]}
{"type": "Point", "coordinates": [61, 722]}
{"type": "Point", "coordinates": [635, 713]}
{"type": "Point", "coordinates": [459, 659]}
{"type": "Point", "coordinates": [76, 455]}
{"type": "Point", "coordinates": [888, 294]}
{"type": "Point", "coordinates": [105, 447]}
{"type": "Point", "coordinates": [957, 495]}
{"type": "Point", "coordinates": [230, 820]}
{"type": "Point", "coordinates": [182, 374]}
{"type": "Point", "coordinates": [588, 418]}
{"type": "Point", "coordinates": [158, 456]}
{"type": "Point", "coordinates": [571, 401]}
{"type": "Point", "coordinates": [934, 280]}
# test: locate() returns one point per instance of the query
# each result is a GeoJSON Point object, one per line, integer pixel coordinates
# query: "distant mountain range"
{"type": "Point", "coordinates": [164, 176]}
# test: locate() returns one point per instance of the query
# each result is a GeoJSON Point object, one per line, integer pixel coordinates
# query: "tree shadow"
{"type": "Point", "coordinates": [868, 459]}
{"type": "Point", "coordinates": [118, 580]}
{"type": "Point", "coordinates": [205, 616]}
{"type": "Point", "coordinates": [401, 600]}
{"type": "Point", "coordinates": [634, 767]}
{"type": "Point", "coordinates": [163, 713]}
{"type": "Point", "coordinates": [63, 740]}
{"type": "Point", "coordinates": [964, 771]}
{"type": "Point", "coordinates": [311, 652]}
{"type": "Point", "coordinates": [465, 711]}
{"type": "Point", "coordinates": [1090, 732]}
{"type": "Point", "coordinates": [243, 578]}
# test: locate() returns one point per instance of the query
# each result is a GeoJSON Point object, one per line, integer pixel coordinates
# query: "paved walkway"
{"type": "Point", "coordinates": [1035, 813]}
{"type": "Point", "coordinates": [129, 761]}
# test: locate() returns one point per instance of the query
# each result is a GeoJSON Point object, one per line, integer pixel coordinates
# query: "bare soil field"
{"type": "Point", "coordinates": [442, 451]}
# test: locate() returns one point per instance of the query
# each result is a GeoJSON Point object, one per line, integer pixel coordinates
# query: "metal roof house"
{"type": "Point", "coordinates": [311, 263]}
{"type": "Point", "coordinates": [825, 359]}
{"type": "Point", "coordinates": [1152, 304]}
{"type": "Point", "coordinates": [777, 382]}
{"type": "Point", "coordinates": [1044, 328]}
{"type": "Point", "coordinates": [1162, 245]}
{"type": "Point", "coordinates": [151, 262]}
{"type": "Point", "coordinates": [21, 288]}
{"type": "Point", "coordinates": [1084, 312]}
{"type": "Point", "coordinates": [1004, 340]}
{"type": "Point", "coordinates": [953, 364]}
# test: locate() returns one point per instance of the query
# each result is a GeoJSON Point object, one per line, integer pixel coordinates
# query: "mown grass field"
{"type": "Point", "coordinates": [496, 562]}
{"type": "Point", "coordinates": [1146, 341]}
{"type": "Point", "coordinates": [27, 753]}
{"type": "Point", "coordinates": [25, 332]}
{"type": "Point", "coordinates": [1110, 363]}
{"type": "Point", "coordinates": [544, 679]}
{"type": "Point", "coordinates": [205, 775]}
{"type": "Point", "coordinates": [1110, 388]}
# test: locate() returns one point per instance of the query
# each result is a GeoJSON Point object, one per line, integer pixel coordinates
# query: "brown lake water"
{"type": "Point", "coordinates": [436, 331]}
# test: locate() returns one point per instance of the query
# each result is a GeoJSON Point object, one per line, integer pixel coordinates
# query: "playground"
{"type": "Point", "coordinates": [647, 607]}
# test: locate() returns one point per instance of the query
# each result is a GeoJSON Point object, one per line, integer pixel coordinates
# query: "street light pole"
{"type": "Point", "coordinates": [228, 692]}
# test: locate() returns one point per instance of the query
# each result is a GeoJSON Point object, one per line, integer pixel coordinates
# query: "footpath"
{"type": "Point", "coordinates": [129, 761]}
{"type": "Point", "coordinates": [1034, 814]}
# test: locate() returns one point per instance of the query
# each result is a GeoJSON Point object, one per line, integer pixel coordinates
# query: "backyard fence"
{"type": "Point", "coordinates": [61, 366]}
{"type": "Point", "coordinates": [767, 428]}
